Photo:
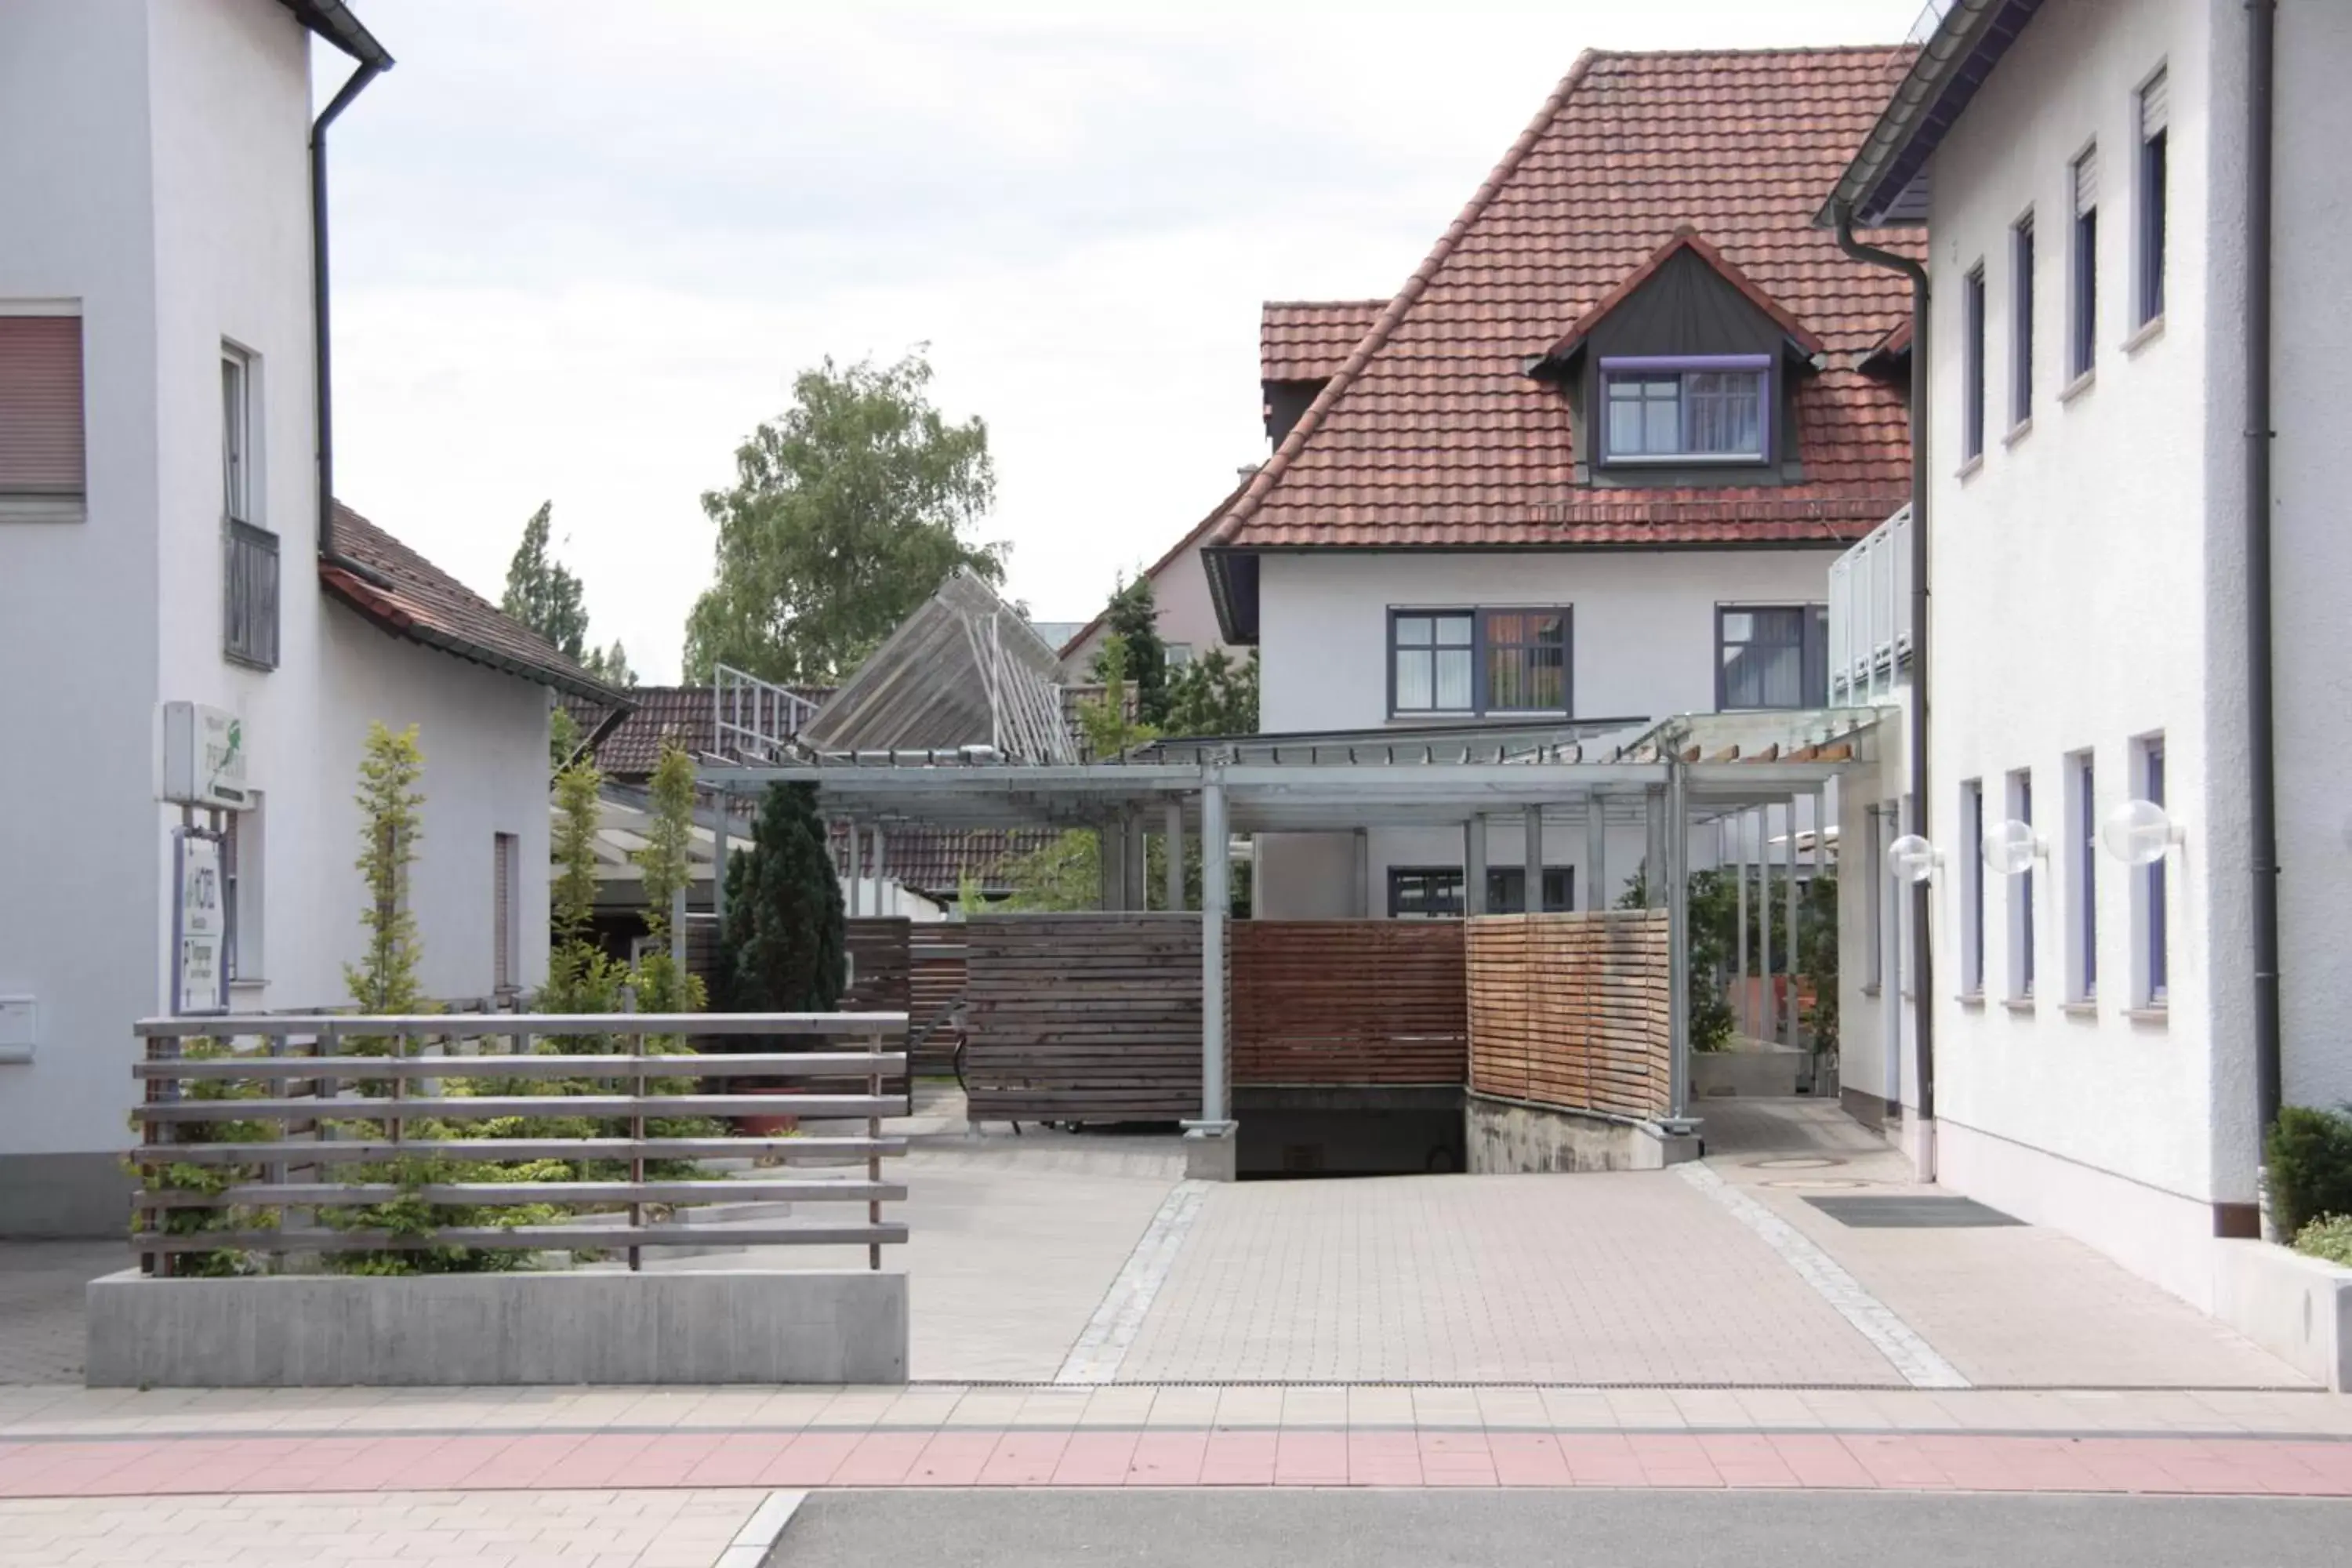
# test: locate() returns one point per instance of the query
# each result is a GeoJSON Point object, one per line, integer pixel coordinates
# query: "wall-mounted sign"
{"type": "Point", "coordinates": [199, 925]}
{"type": "Point", "coordinates": [204, 757]}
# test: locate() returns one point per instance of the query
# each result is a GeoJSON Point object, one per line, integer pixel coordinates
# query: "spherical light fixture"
{"type": "Point", "coordinates": [1911, 859]}
{"type": "Point", "coordinates": [2138, 832]}
{"type": "Point", "coordinates": [2012, 847]}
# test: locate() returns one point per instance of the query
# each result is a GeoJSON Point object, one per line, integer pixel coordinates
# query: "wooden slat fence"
{"type": "Point", "coordinates": [880, 963]}
{"type": "Point", "coordinates": [1572, 1010]}
{"type": "Point", "coordinates": [935, 983]}
{"type": "Point", "coordinates": [1348, 1002]}
{"type": "Point", "coordinates": [1083, 1017]}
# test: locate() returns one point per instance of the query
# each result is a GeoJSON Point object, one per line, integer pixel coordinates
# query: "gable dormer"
{"type": "Point", "coordinates": [1685, 375]}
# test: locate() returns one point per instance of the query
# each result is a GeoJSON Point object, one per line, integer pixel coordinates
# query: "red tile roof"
{"type": "Point", "coordinates": [409, 596]}
{"type": "Point", "coordinates": [633, 746]}
{"type": "Point", "coordinates": [1431, 433]}
{"type": "Point", "coordinates": [1309, 340]}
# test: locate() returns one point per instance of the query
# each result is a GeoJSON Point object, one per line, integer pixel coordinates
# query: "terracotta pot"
{"type": "Point", "coordinates": [767, 1126]}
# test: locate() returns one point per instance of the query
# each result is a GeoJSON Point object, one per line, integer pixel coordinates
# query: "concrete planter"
{"type": "Point", "coordinates": [1746, 1072]}
{"type": "Point", "coordinates": [493, 1330]}
{"type": "Point", "coordinates": [2299, 1309]}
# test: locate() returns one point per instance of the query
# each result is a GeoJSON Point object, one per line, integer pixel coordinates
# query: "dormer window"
{"type": "Point", "coordinates": [1697, 409]}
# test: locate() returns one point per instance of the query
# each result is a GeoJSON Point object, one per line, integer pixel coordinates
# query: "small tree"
{"type": "Point", "coordinates": [1111, 724]}
{"type": "Point", "coordinates": [542, 592]}
{"type": "Point", "coordinates": [664, 984]}
{"type": "Point", "coordinates": [1213, 695]}
{"type": "Point", "coordinates": [563, 738]}
{"type": "Point", "coordinates": [1133, 624]}
{"type": "Point", "coordinates": [581, 978]}
{"type": "Point", "coordinates": [391, 821]}
{"type": "Point", "coordinates": [783, 946]}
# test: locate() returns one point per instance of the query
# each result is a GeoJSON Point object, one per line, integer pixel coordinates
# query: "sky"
{"type": "Point", "coordinates": [581, 249]}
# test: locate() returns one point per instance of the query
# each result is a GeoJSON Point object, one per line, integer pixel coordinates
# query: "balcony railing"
{"type": "Point", "coordinates": [1870, 616]}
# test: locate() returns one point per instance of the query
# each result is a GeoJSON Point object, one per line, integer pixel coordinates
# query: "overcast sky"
{"type": "Point", "coordinates": [581, 249]}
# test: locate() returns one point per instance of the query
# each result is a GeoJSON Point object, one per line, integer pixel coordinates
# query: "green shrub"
{"type": "Point", "coordinates": [2310, 1156]}
{"type": "Point", "coordinates": [2329, 1238]}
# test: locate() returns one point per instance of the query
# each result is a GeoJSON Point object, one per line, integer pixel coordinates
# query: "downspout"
{"type": "Point", "coordinates": [1923, 1014]}
{"type": "Point", "coordinates": [2261, 17]}
{"type": "Point", "coordinates": [321, 364]}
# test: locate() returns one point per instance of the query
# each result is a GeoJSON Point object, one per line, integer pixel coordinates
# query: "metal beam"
{"type": "Point", "coordinates": [1678, 973]}
{"type": "Point", "coordinates": [1216, 854]}
{"type": "Point", "coordinates": [1172, 849]}
{"type": "Point", "coordinates": [1532, 855]}
{"type": "Point", "coordinates": [1790, 1038]}
{"type": "Point", "coordinates": [1473, 866]}
{"type": "Point", "coordinates": [1596, 855]}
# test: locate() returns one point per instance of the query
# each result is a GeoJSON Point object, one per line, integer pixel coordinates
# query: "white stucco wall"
{"type": "Point", "coordinates": [1643, 648]}
{"type": "Point", "coordinates": [2071, 613]}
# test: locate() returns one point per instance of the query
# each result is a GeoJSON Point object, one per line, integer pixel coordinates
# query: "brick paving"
{"type": "Point", "coordinates": [41, 1285]}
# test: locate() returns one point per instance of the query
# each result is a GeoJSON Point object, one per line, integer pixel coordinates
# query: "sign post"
{"type": "Point", "coordinates": [199, 925]}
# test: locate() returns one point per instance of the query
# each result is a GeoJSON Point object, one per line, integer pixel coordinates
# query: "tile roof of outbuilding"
{"type": "Point", "coordinates": [1309, 340]}
{"type": "Point", "coordinates": [409, 596]}
{"type": "Point", "coordinates": [685, 713]}
{"type": "Point", "coordinates": [1430, 433]}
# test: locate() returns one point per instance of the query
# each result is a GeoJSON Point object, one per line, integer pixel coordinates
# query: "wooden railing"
{"type": "Point", "coordinates": [333, 1091]}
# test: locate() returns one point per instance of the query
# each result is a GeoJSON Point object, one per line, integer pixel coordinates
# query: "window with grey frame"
{"type": "Point", "coordinates": [1434, 893]}
{"type": "Point", "coordinates": [1697, 409]}
{"type": "Point", "coordinates": [2083, 302]}
{"type": "Point", "coordinates": [249, 575]}
{"type": "Point", "coordinates": [2155, 961]}
{"type": "Point", "coordinates": [1771, 656]}
{"type": "Point", "coordinates": [2147, 295]}
{"type": "Point", "coordinates": [1972, 364]}
{"type": "Point", "coordinates": [2020, 322]}
{"type": "Point", "coordinates": [2021, 896]}
{"type": "Point", "coordinates": [1972, 888]}
{"type": "Point", "coordinates": [1472, 661]}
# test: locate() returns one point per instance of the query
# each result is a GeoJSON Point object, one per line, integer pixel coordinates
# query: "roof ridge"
{"type": "Point", "coordinates": [1377, 335]}
{"type": "Point", "coordinates": [1318, 304]}
{"type": "Point", "coordinates": [1893, 48]}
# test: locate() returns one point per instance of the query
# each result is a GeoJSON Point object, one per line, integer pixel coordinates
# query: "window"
{"type": "Point", "coordinates": [1972, 889]}
{"type": "Point", "coordinates": [1175, 655]}
{"type": "Point", "coordinates": [1479, 661]}
{"type": "Point", "coordinates": [1873, 879]}
{"type": "Point", "coordinates": [1686, 410]}
{"type": "Point", "coordinates": [506, 908]}
{"type": "Point", "coordinates": [1771, 656]}
{"type": "Point", "coordinates": [2154, 922]}
{"type": "Point", "coordinates": [237, 437]}
{"type": "Point", "coordinates": [1428, 892]}
{"type": "Point", "coordinates": [1972, 365]}
{"type": "Point", "coordinates": [40, 415]}
{"type": "Point", "coordinates": [2021, 322]}
{"type": "Point", "coordinates": [2083, 850]}
{"type": "Point", "coordinates": [2020, 896]}
{"type": "Point", "coordinates": [241, 892]}
{"type": "Point", "coordinates": [250, 610]}
{"type": "Point", "coordinates": [2082, 325]}
{"type": "Point", "coordinates": [2148, 295]}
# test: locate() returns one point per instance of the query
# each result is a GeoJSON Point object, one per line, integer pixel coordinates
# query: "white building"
{"type": "Point", "coordinates": [2098, 1044]}
{"type": "Point", "coordinates": [1591, 463]}
{"type": "Point", "coordinates": [162, 540]}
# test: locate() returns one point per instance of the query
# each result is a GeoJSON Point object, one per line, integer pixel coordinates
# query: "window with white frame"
{"type": "Point", "coordinates": [2151, 923]}
{"type": "Point", "coordinates": [2020, 896]}
{"type": "Point", "coordinates": [250, 579]}
{"type": "Point", "coordinates": [41, 439]}
{"type": "Point", "coordinates": [506, 911]}
{"type": "Point", "coordinates": [2020, 322]}
{"type": "Point", "coordinates": [241, 892]}
{"type": "Point", "coordinates": [1771, 656]}
{"type": "Point", "coordinates": [1873, 880]}
{"type": "Point", "coordinates": [1972, 889]}
{"type": "Point", "coordinates": [1972, 364]}
{"type": "Point", "coordinates": [2148, 200]}
{"type": "Point", "coordinates": [2082, 266]}
{"type": "Point", "coordinates": [1490, 661]}
{"type": "Point", "coordinates": [2083, 861]}
{"type": "Point", "coordinates": [1709, 409]}
{"type": "Point", "coordinates": [237, 436]}
{"type": "Point", "coordinates": [1175, 655]}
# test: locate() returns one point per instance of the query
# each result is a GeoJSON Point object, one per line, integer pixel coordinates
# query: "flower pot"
{"type": "Point", "coordinates": [762, 1125]}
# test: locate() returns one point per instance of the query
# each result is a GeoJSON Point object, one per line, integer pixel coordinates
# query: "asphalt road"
{"type": "Point", "coordinates": [1426, 1528]}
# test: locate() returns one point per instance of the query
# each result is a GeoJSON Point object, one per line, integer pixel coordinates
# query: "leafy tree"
{"type": "Point", "coordinates": [848, 511]}
{"type": "Point", "coordinates": [1213, 695]}
{"type": "Point", "coordinates": [610, 665]}
{"type": "Point", "coordinates": [783, 946]}
{"type": "Point", "coordinates": [391, 809]}
{"type": "Point", "coordinates": [664, 985]}
{"type": "Point", "coordinates": [1064, 873]}
{"type": "Point", "coordinates": [1133, 620]}
{"type": "Point", "coordinates": [541, 592]}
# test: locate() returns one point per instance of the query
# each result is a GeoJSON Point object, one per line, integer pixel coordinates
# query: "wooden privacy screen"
{"type": "Point", "coordinates": [1348, 1002]}
{"type": "Point", "coordinates": [878, 964]}
{"type": "Point", "coordinates": [1083, 1017]}
{"type": "Point", "coordinates": [935, 984]}
{"type": "Point", "coordinates": [1572, 1010]}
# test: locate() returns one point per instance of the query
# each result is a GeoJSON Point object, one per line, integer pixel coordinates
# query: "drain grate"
{"type": "Point", "coordinates": [1899, 1212]}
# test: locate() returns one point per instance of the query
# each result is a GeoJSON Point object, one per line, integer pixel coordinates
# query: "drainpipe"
{"type": "Point", "coordinates": [321, 366]}
{"type": "Point", "coordinates": [2261, 17]}
{"type": "Point", "coordinates": [1923, 1015]}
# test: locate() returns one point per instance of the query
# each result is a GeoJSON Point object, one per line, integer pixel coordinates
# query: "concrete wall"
{"type": "Point", "coordinates": [1508, 1138]}
{"type": "Point", "coordinates": [498, 1330]}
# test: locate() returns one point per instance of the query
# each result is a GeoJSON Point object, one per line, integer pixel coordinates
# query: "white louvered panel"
{"type": "Point", "coordinates": [40, 405]}
{"type": "Point", "coordinates": [2155, 106]}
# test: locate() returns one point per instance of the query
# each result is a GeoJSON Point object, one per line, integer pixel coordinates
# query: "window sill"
{"type": "Point", "coordinates": [1471, 720]}
{"type": "Point", "coordinates": [2159, 1015]}
{"type": "Point", "coordinates": [239, 983]}
{"type": "Point", "coordinates": [2079, 386]}
{"type": "Point", "coordinates": [2079, 1009]}
{"type": "Point", "coordinates": [2147, 333]}
{"type": "Point", "coordinates": [1970, 470]}
{"type": "Point", "coordinates": [1870, 990]}
{"type": "Point", "coordinates": [241, 662]}
{"type": "Point", "coordinates": [1972, 1000]}
{"type": "Point", "coordinates": [2019, 431]}
{"type": "Point", "coordinates": [43, 508]}
{"type": "Point", "coordinates": [2020, 1004]}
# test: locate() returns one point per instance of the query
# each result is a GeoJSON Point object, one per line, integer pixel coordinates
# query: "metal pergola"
{"type": "Point", "coordinates": [1670, 777]}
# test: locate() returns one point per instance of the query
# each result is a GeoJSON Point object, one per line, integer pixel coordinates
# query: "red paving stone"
{"type": "Point", "coordinates": [1233, 1457]}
